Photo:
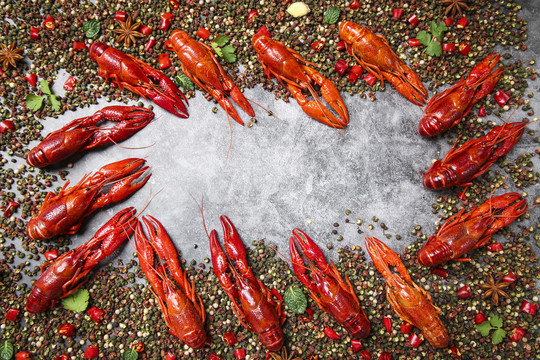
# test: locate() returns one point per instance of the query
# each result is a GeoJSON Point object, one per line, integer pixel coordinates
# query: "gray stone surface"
{"type": "Point", "coordinates": [290, 173]}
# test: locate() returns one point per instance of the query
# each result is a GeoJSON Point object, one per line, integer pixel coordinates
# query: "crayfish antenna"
{"type": "Point", "coordinates": [271, 113]}
{"type": "Point", "coordinates": [201, 210]}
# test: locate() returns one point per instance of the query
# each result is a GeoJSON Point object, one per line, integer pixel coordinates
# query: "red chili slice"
{"type": "Point", "coordinates": [165, 25]}
{"type": "Point", "coordinates": [406, 328]}
{"type": "Point", "coordinates": [397, 13]}
{"type": "Point", "coordinates": [92, 351]}
{"type": "Point", "coordinates": [317, 45]}
{"type": "Point", "coordinates": [49, 23]}
{"type": "Point", "coordinates": [120, 16]}
{"type": "Point", "coordinates": [23, 355]}
{"type": "Point", "coordinates": [170, 356]}
{"type": "Point", "coordinates": [413, 20]}
{"type": "Point", "coordinates": [365, 354]}
{"type": "Point", "coordinates": [385, 355]}
{"type": "Point", "coordinates": [11, 206]}
{"type": "Point", "coordinates": [461, 23]}
{"type": "Point", "coordinates": [34, 33]}
{"type": "Point", "coordinates": [12, 314]}
{"type": "Point", "coordinates": [240, 353]}
{"type": "Point", "coordinates": [341, 67]}
{"type": "Point", "coordinates": [528, 307]}
{"type": "Point", "coordinates": [175, 4]}
{"type": "Point", "coordinates": [354, 5]}
{"type": "Point", "coordinates": [63, 357]}
{"type": "Point", "coordinates": [214, 356]}
{"type": "Point", "coordinates": [479, 318]}
{"type": "Point", "coordinates": [414, 42]}
{"type": "Point", "coordinates": [66, 329]}
{"type": "Point", "coordinates": [494, 247]}
{"type": "Point", "coordinates": [501, 98]}
{"type": "Point", "coordinates": [78, 46]}
{"type": "Point", "coordinates": [449, 47]}
{"type": "Point", "coordinates": [481, 111]}
{"type": "Point", "coordinates": [150, 44]}
{"type": "Point", "coordinates": [31, 78]}
{"type": "Point", "coordinates": [253, 13]}
{"type": "Point", "coordinates": [51, 254]}
{"type": "Point", "coordinates": [307, 318]}
{"type": "Point", "coordinates": [331, 333]}
{"type": "Point", "coordinates": [387, 324]}
{"type": "Point", "coordinates": [138, 347]}
{"type": "Point", "coordinates": [164, 61]}
{"type": "Point", "coordinates": [6, 126]}
{"type": "Point", "coordinates": [356, 345]}
{"type": "Point", "coordinates": [448, 21]}
{"type": "Point", "coordinates": [414, 340]}
{"type": "Point", "coordinates": [357, 70]}
{"type": "Point", "coordinates": [509, 278]}
{"type": "Point", "coordinates": [517, 334]}
{"type": "Point", "coordinates": [370, 79]}
{"type": "Point", "coordinates": [440, 272]}
{"type": "Point", "coordinates": [352, 77]}
{"type": "Point", "coordinates": [340, 45]}
{"type": "Point", "coordinates": [464, 292]}
{"type": "Point", "coordinates": [146, 30]}
{"type": "Point", "coordinates": [464, 48]}
{"type": "Point", "coordinates": [230, 339]}
{"type": "Point", "coordinates": [203, 33]}
{"type": "Point", "coordinates": [96, 314]}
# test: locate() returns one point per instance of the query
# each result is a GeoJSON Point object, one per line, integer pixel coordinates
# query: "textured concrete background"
{"type": "Point", "coordinates": [290, 173]}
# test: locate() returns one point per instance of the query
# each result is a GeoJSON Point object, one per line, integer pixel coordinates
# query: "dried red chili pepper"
{"type": "Point", "coordinates": [414, 340]}
{"type": "Point", "coordinates": [464, 292]}
{"type": "Point", "coordinates": [501, 98]}
{"type": "Point", "coordinates": [203, 33]}
{"type": "Point", "coordinates": [494, 247]}
{"type": "Point", "coordinates": [370, 79]}
{"type": "Point", "coordinates": [138, 347]}
{"type": "Point", "coordinates": [69, 85]}
{"type": "Point", "coordinates": [464, 48]}
{"type": "Point", "coordinates": [63, 357]}
{"type": "Point", "coordinates": [31, 78]}
{"type": "Point", "coordinates": [448, 21]}
{"type": "Point", "coordinates": [341, 66]}
{"type": "Point", "coordinates": [354, 5]}
{"type": "Point", "coordinates": [455, 351]}
{"type": "Point", "coordinates": [34, 33]}
{"type": "Point", "coordinates": [528, 307]}
{"type": "Point", "coordinates": [120, 15]}
{"type": "Point", "coordinates": [385, 355]}
{"type": "Point", "coordinates": [276, 294]}
{"type": "Point", "coordinates": [318, 45]}
{"type": "Point", "coordinates": [482, 111]}
{"type": "Point", "coordinates": [78, 46]}
{"type": "Point", "coordinates": [149, 44]}
{"type": "Point", "coordinates": [146, 30]}
{"type": "Point", "coordinates": [6, 126]}
{"type": "Point", "coordinates": [66, 329]}
{"type": "Point", "coordinates": [509, 278]}
{"type": "Point", "coordinates": [365, 354]}
{"type": "Point", "coordinates": [414, 42]}
{"type": "Point", "coordinates": [170, 356]}
{"type": "Point", "coordinates": [387, 324]}
{"type": "Point", "coordinates": [11, 206]}
{"type": "Point", "coordinates": [164, 61]}
{"type": "Point", "coordinates": [253, 13]}
{"type": "Point", "coordinates": [12, 314]}
{"type": "Point", "coordinates": [230, 339]}
{"type": "Point", "coordinates": [23, 355]}
{"type": "Point", "coordinates": [175, 4]}
{"type": "Point", "coordinates": [214, 356]}
{"type": "Point", "coordinates": [450, 47]}
{"type": "Point", "coordinates": [406, 327]}
{"type": "Point", "coordinates": [240, 353]}
{"type": "Point", "coordinates": [479, 318]}
{"type": "Point", "coordinates": [357, 70]}
{"type": "Point", "coordinates": [340, 45]}
{"type": "Point", "coordinates": [397, 13]}
{"type": "Point", "coordinates": [96, 314]}
{"type": "Point", "coordinates": [517, 334]}
{"type": "Point", "coordinates": [49, 23]}
{"type": "Point", "coordinates": [461, 23]}
{"type": "Point", "coordinates": [413, 20]}
{"type": "Point", "coordinates": [356, 345]}
{"type": "Point", "coordinates": [307, 318]}
{"type": "Point", "coordinates": [352, 77]}
{"type": "Point", "coordinates": [51, 254]}
{"type": "Point", "coordinates": [440, 272]}
{"type": "Point", "coordinates": [92, 351]}
{"type": "Point", "coordinates": [166, 19]}
{"type": "Point", "coordinates": [328, 331]}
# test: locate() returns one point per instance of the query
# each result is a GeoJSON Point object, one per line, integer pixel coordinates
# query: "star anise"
{"type": "Point", "coordinates": [283, 355]}
{"type": "Point", "coordinates": [128, 30]}
{"type": "Point", "coordinates": [9, 55]}
{"type": "Point", "coordinates": [454, 7]}
{"type": "Point", "coordinates": [494, 289]}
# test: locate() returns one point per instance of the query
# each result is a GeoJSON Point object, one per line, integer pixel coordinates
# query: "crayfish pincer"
{"type": "Point", "coordinates": [63, 213]}
{"type": "Point", "coordinates": [182, 308]}
{"type": "Point", "coordinates": [126, 71]}
{"type": "Point", "coordinates": [330, 292]}
{"type": "Point", "coordinates": [412, 303]}
{"type": "Point", "coordinates": [252, 302]}
{"type": "Point", "coordinates": [65, 273]}
{"type": "Point", "coordinates": [84, 134]}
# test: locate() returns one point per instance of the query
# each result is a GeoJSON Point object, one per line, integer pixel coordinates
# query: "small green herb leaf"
{"type": "Point", "coordinates": [434, 48]}
{"type": "Point", "coordinates": [424, 38]}
{"type": "Point", "coordinates": [130, 354]}
{"type": "Point", "coordinates": [34, 102]}
{"type": "Point", "coordinates": [44, 86]}
{"type": "Point", "coordinates": [78, 301]}
{"type": "Point", "coordinates": [217, 49]}
{"type": "Point", "coordinates": [6, 350]}
{"type": "Point", "coordinates": [55, 103]}
{"type": "Point", "coordinates": [498, 336]}
{"type": "Point", "coordinates": [495, 320]}
{"type": "Point", "coordinates": [182, 80]}
{"type": "Point", "coordinates": [295, 299]}
{"type": "Point", "coordinates": [221, 40]}
{"type": "Point", "coordinates": [438, 28]}
{"type": "Point", "coordinates": [331, 16]}
{"type": "Point", "coordinates": [484, 328]}
{"type": "Point", "coordinates": [91, 28]}
{"type": "Point", "coordinates": [228, 54]}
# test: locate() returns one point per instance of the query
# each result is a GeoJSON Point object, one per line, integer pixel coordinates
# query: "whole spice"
{"type": "Point", "coordinates": [128, 32]}
{"type": "Point", "coordinates": [494, 289]}
{"type": "Point", "coordinates": [9, 55]}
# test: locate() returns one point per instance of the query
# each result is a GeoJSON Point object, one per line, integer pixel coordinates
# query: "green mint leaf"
{"type": "Point", "coordinates": [77, 301]}
{"type": "Point", "coordinates": [217, 49]}
{"type": "Point", "coordinates": [221, 40]}
{"type": "Point", "coordinates": [495, 320]}
{"type": "Point", "coordinates": [184, 81]}
{"type": "Point", "coordinates": [295, 299]}
{"type": "Point", "coordinates": [424, 38]}
{"type": "Point", "coordinates": [498, 336]}
{"type": "Point", "coordinates": [484, 328]}
{"type": "Point", "coordinates": [331, 16]}
{"type": "Point", "coordinates": [44, 86]}
{"type": "Point", "coordinates": [130, 354]}
{"type": "Point", "coordinates": [55, 103]}
{"type": "Point", "coordinates": [438, 29]}
{"type": "Point", "coordinates": [91, 28]}
{"type": "Point", "coordinates": [228, 54]}
{"type": "Point", "coordinates": [434, 48]}
{"type": "Point", "coordinates": [6, 350]}
{"type": "Point", "coordinates": [34, 102]}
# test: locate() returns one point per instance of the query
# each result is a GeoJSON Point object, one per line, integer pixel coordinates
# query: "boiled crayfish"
{"type": "Point", "coordinates": [330, 292]}
{"type": "Point", "coordinates": [83, 134]}
{"type": "Point", "coordinates": [202, 67]}
{"type": "Point", "coordinates": [252, 302]}
{"type": "Point", "coordinates": [412, 303]}
{"type": "Point", "coordinates": [286, 65]}
{"type": "Point", "coordinates": [464, 232]}
{"type": "Point", "coordinates": [63, 213]}
{"type": "Point", "coordinates": [473, 158]}
{"type": "Point", "coordinates": [448, 108]}
{"type": "Point", "coordinates": [182, 308]}
{"type": "Point", "coordinates": [65, 273]}
{"type": "Point", "coordinates": [128, 72]}
{"type": "Point", "coordinates": [376, 56]}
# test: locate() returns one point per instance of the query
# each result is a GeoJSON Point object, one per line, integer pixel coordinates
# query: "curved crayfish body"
{"type": "Point", "coordinates": [377, 57]}
{"type": "Point", "coordinates": [135, 75]}
{"type": "Point", "coordinates": [63, 213]}
{"type": "Point", "coordinates": [412, 303]}
{"type": "Point", "coordinates": [328, 289]}
{"type": "Point", "coordinates": [462, 232]}
{"type": "Point", "coordinates": [252, 302]}
{"type": "Point", "coordinates": [63, 276]}
{"type": "Point", "coordinates": [182, 308]}
{"type": "Point", "coordinates": [83, 134]}
{"type": "Point", "coordinates": [286, 65]}
{"type": "Point", "coordinates": [448, 108]}
{"type": "Point", "coordinates": [202, 67]}
{"type": "Point", "coordinates": [473, 158]}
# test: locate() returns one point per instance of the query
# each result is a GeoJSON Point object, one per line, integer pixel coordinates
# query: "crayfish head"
{"type": "Point", "coordinates": [351, 32]}
{"type": "Point", "coordinates": [261, 42]}
{"type": "Point", "coordinates": [96, 49]}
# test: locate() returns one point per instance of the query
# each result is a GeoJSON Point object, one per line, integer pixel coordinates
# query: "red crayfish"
{"type": "Point", "coordinates": [252, 302]}
{"type": "Point", "coordinates": [412, 303]}
{"type": "Point", "coordinates": [182, 308]}
{"type": "Point", "coordinates": [63, 213]}
{"type": "Point", "coordinates": [133, 74]}
{"type": "Point", "coordinates": [378, 58]}
{"type": "Point", "coordinates": [202, 67]}
{"type": "Point", "coordinates": [330, 292]}
{"type": "Point", "coordinates": [83, 134]}
{"type": "Point", "coordinates": [473, 158]}
{"type": "Point", "coordinates": [64, 275]}
{"type": "Point", "coordinates": [462, 232]}
{"type": "Point", "coordinates": [448, 108]}
{"type": "Point", "coordinates": [286, 65]}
